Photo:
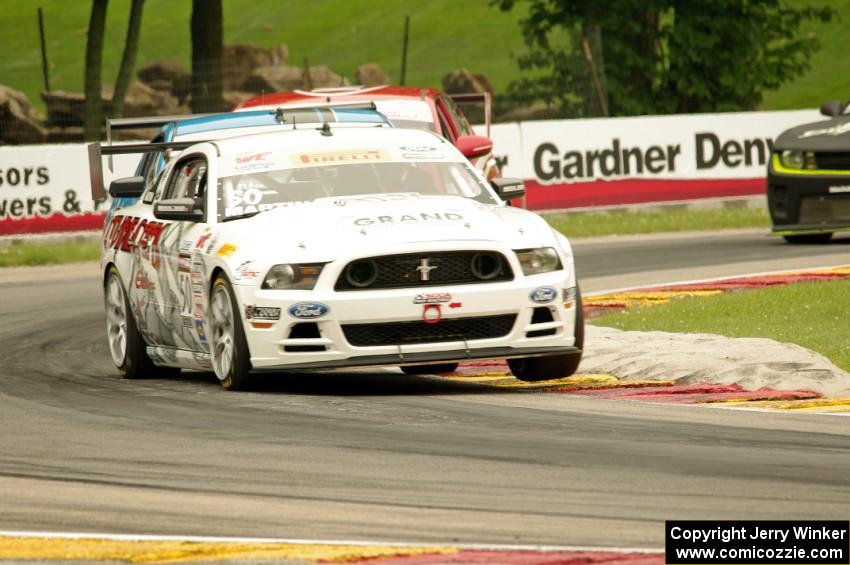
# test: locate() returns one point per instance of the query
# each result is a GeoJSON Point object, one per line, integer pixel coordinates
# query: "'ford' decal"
{"type": "Point", "coordinates": [543, 294]}
{"type": "Point", "coordinates": [308, 310]}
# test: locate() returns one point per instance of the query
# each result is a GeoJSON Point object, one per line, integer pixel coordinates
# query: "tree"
{"type": "Point", "coordinates": [664, 56]}
{"type": "Point", "coordinates": [94, 52]}
{"type": "Point", "coordinates": [128, 59]}
{"type": "Point", "coordinates": [207, 49]}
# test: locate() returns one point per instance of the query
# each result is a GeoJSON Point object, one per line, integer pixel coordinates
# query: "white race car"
{"type": "Point", "coordinates": [329, 248]}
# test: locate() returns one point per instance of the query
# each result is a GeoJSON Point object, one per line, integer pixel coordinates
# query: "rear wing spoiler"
{"type": "Point", "coordinates": [96, 151]}
{"type": "Point", "coordinates": [481, 97]}
{"type": "Point", "coordinates": [116, 124]}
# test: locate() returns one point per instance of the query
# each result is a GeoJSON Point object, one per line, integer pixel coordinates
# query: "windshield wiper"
{"type": "Point", "coordinates": [241, 216]}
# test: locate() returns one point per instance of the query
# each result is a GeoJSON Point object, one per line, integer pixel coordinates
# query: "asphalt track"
{"type": "Point", "coordinates": [379, 455]}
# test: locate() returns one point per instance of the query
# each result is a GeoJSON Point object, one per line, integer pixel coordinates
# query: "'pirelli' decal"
{"type": "Point", "coordinates": [357, 156]}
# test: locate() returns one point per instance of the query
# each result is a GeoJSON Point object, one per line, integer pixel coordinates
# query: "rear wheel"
{"type": "Point", "coordinates": [552, 367]}
{"type": "Point", "coordinates": [126, 345]}
{"type": "Point", "coordinates": [428, 369]}
{"type": "Point", "coordinates": [809, 238]}
{"type": "Point", "coordinates": [230, 359]}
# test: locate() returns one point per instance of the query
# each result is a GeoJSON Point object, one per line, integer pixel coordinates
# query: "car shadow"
{"type": "Point", "coordinates": [354, 383]}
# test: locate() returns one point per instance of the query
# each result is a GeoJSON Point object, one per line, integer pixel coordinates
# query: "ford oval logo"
{"type": "Point", "coordinates": [308, 310]}
{"type": "Point", "coordinates": [543, 294]}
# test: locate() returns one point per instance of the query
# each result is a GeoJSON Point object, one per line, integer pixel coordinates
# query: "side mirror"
{"type": "Point", "coordinates": [178, 209]}
{"type": "Point", "coordinates": [127, 187]}
{"type": "Point", "coordinates": [508, 189]}
{"type": "Point", "coordinates": [832, 108]}
{"type": "Point", "coordinates": [473, 146]}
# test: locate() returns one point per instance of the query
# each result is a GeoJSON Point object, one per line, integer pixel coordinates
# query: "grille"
{"type": "Point", "coordinates": [404, 333]}
{"type": "Point", "coordinates": [824, 209]}
{"type": "Point", "coordinates": [443, 268]}
{"type": "Point", "coordinates": [833, 161]}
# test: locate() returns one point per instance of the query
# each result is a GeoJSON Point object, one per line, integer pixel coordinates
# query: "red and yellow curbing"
{"type": "Point", "coordinates": [496, 374]}
{"type": "Point", "coordinates": [153, 549]}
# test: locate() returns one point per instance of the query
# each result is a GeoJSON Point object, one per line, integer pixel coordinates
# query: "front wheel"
{"type": "Point", "coordinates": [552, 367]}
{"type": "Point", "coordinates": [809, 238]}
{"type": "Point", "coordinates": [230, 359]}
{"type": "Point", "coordinates": [126, 345]}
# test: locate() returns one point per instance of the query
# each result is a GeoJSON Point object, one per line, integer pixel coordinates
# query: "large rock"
{"type": "Point", "coordinates": [322, 77]}
{"type": "Point", "coordinates": [18, 121]}
{"type": "Point", "coordinates": [240, 62]}
{"type": "Point", "coordinates": [167, 75]}
{"type": "Point", "coordinates": [64, 109]}
{"type": "Point", "coordinates": [463, 81]}
{"type": "Point", "coordinates": [370, 74]}
{"type": "Point", "coordinates": [273, 79]}
{"type": "Point", "coordinates": [142, 100]}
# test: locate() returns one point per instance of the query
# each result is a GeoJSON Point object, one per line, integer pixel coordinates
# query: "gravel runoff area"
{"type": "Point", "coordinates": [752, 363]}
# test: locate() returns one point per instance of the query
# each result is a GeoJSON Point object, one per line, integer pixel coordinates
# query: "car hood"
{"type": "Point", "coordinates": [826, 135]}
{"type": "Point", "coordinates": [327, 228]}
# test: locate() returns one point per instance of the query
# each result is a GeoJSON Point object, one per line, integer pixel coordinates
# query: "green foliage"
{"type": "Point", "coordinates": [48, 252]}
{"type": "Point", "coordinates": [665, 56]}
{"type": "Point", "coordinates": [803, 313]}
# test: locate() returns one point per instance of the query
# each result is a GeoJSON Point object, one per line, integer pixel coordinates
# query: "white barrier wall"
{"type": "Point", "coordinates": [565, 163]}
{"type": "Point", "coordinates": [598, 162]}
{"type": "Point", "coordinates": [45, 188]}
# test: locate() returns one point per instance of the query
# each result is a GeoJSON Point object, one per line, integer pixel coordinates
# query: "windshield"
{"type": "Point", "coordinates": [258, 191]}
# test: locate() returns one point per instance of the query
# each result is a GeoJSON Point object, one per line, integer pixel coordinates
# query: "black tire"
{"type": "Point", "coordinates": [428, 369]}
{"type": "Point", "coordinates": [238, 376]}
{"type": "Point", "coordinates": [135, 363]}
{"type": "Point", "coordinates": [809, 238]}
{"type": "Point", "coordinates": [533, 369]}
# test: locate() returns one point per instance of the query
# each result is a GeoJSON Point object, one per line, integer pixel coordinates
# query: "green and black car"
{"type": "Point", "coordinates": [808, 178]}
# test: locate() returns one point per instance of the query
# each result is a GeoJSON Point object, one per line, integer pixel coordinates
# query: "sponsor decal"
{"type": "Point", "coordinates": [308, 310]}
{"type": "Point", "coordinates": [432, 313]}
{"type": "Point", "coordinates": [839, 189]}
{"type": "Point", "coordinates": [127, 232]}
{"type": "Point", "coordinates": [247, 271]}
{"type": "Point", "coordinates": [417, 148]}
{"type": "Point", "coordinates": [143, 282]}
{"type": "Point", "coordinates": [185, 246]}
{"type": "Point", "coordinates": [203, 240]}
{"type": "Point", "coordinates": [202, 332]}
{"type": "Point", "coordinates": [409, 218]}
{"type": "Point", "coordinates": [432, 298]}
{"type": "Point", "coordinates": [454, 305]}
{"type": "Point", "coordinates": [261, 313]}
{"type": "Point", "coordinates": [354, 156]}
{"type": "Point", "coordinates": [226, 250]}
{"type": "Point", "coordinates": [543, 294]}
{"type": "Point", "coordinates": [252, 161]}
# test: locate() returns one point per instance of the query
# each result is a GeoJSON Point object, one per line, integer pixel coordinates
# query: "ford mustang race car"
{"type": "Point", "coordinates": [808, 178]}
{"type": "Point", "coordinates": [332, 247]}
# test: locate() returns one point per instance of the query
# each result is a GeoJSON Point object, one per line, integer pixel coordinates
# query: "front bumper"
{"type": "Point", "coordinates": [273, 348]}
{"type": "Point", "coordinates": [807, 202]}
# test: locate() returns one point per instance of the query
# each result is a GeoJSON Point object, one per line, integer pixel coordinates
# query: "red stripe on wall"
{"type": "Point", "coordinates": [635, 191]}
{"type": "Point", "coordinates": [55, 223]}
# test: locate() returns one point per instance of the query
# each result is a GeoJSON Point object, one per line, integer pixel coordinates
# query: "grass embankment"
{"type": "Point", "coordinates": [808, 314]}
{"type": "Point", "coordinates": [24, 253]}
{"type": "Point", "coordinates": [343, 34]}
{"type": "Point", "coordinates": [444, 35]}
{"type": "Point", "coordinates": [626, 223]}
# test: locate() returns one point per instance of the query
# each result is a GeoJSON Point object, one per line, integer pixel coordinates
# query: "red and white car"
{"type": "Point", "coordinates": [407, 107]}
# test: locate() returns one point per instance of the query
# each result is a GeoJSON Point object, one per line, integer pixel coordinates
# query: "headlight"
{"type": "Point", "coordinates": [791, 159]}
{"type": "Point", "coordinates": [540, 260]}
{"type": "Point", "coordinates": [292, 277]}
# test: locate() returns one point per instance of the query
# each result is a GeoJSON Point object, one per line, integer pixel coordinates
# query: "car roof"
{"type": "Point", "coordinates": [260, 118]}
{"type": "Point", "coordinates": [330, 95]}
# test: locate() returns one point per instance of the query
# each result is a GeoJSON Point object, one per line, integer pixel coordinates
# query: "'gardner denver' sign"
{"type": "Point", "coordinates": [598, 162]}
